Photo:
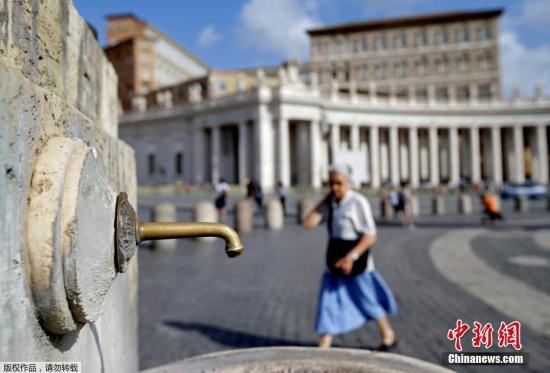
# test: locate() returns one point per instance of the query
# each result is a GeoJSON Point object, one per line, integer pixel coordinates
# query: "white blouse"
{"type": "Point", "coordinates": [351, 219]}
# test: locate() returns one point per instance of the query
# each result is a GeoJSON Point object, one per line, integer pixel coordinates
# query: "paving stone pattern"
{"type": "Point", "coordinates": [195, 300]}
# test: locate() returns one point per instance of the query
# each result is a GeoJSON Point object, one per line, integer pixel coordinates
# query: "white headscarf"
{"type": "Point", "coordinates": [342, 169]}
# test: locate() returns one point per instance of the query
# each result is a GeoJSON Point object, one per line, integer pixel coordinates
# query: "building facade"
{"type": "Point", "coordinates": [146, 59]}
{"type": "Point", "coordinates": [451, 56]}
{"type": "Point", "coordinates": [291, 126]}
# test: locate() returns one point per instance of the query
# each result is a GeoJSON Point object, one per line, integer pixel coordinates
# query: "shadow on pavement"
{"type": "Point", "coordinates": [233, 338]}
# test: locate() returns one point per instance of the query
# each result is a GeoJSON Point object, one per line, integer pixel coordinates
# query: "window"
{"type": "Point", "coordinates": [422, 67]}
{"type": "Point", "coordinates": [484, 91]}
{"type": "Point", "coordinates": [362, 73]}
{"type": "Point", "coordinates": [401, 69]}
{"type": "Point", "coordinates": [486, 62]}
{"type": "Point", "coordinates": [484, 33]}
{"type": "Point", "coordinates": [462, 35]}
{"type": "Point", "coordinates": [222, 85]}
{"type": "Point", "coordinates": [345, 46]}
{"type": "Point", "coordinates": [442, 94]}
{"type": "Point", "coordinates": [441, 36]}
{"type": "Point", "coordinates": [421, 38]}
{"type": "Point", "coordinates": [360, 45]}
{"type": "Point", "coordinates": [179, 164]}
{"type": "Point", "coordinates": [442, 66]}
{"type": "Point", "coordinates": [401, 40]}
{"type": "Point", "coordinates": [151, 165]}
{"type": "Point", "coordinates": [381, 72]}
{"type": "Point", "coordinates": [421, 94]}
{"type": "Point", "coordinates": [333, 48]}
{"type": "Point", "coordinates": [463, 63]}
{"type": "Point", "coordinates": [380, 42]}
{"type": "Point", "coordinates": [463, 93]}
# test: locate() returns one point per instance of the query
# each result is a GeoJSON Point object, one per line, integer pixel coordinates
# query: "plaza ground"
{"type": "Point", "coordinates": [195, 300]}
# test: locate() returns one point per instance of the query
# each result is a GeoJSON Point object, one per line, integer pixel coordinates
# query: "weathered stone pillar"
{"type": "Point", "coordinates": [386, 208]}
{"type": "Point", "coordinates": [274, 217]}
{"type": "Point", "coordinates": [394, 155]}
{"type": "Point", "coordinates": [215, 148]}
{"type": "Point", "coordinates": [263, 130]}
{"type": "Point", "coordinates": [55, 82]}
{"type": "Point", "coordinates": [438, 204]}
{"type": "Point", "coordinates": [434, 156]}
{"type": "Point", "coordinates": [542, 154]}
{"type": "Point", "coordinates": [454, 155]}
{"type": "Point", "coordinates": [374, 157]}
{"type": "Point", "coordinates": [205, 211]}
{"type": "Point", "coordinates": [413, 160]}
{"type": "Point", "coordinates": [519, 166]}
{"type": "Point", "coordinates": [415, 205]}
{"type": "Point", "coordinates": [315, 155]}
{"type": "Point", "coordinates": [335, 142]}
{"type": "Point", "coordinates": [198, 153]}
{"type": "Point", "coordinates": [496, 145]}
{"type": "Point", "coordinates": [475, 155]}
{"type": "Point", "coordinates": [521, 204]}
{"type": "Point", "coordinates": [304, 208]}
{"type": "Point", "coordinates": [284, 151]}
{"type": "Point", "coordinates": [243, 152]}
{"type": "Point", "coordinates": [244, 216]}
{"type": "Point", "coordinates": [465, 204]}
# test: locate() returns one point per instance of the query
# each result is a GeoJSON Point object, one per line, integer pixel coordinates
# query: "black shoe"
{"type": "Point", "coordinates": [387, 348]}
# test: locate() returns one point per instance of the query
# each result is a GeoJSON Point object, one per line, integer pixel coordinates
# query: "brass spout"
{"type": "Point", "coordinates": [159, 231]}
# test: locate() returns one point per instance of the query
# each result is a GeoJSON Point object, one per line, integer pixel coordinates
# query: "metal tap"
{"type": "Point", "coordinates": [130, 231]}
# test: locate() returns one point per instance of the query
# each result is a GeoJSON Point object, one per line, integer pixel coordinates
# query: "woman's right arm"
{"type": "Point", "coordinates": [314, 216]}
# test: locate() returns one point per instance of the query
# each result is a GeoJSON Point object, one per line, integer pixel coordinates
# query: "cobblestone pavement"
{"type": "Point", "coordinates": [195, 300]}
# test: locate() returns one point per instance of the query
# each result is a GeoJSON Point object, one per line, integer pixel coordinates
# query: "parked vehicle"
{"type": "Point", "coordinates": [529, 189]}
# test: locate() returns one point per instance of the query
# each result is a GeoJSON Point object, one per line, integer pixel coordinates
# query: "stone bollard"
{"type": "Point", "coordinates": [205, 212]}
{"type": "Point", "coordinates": [521, 204]}
{"type": "Point", "coordinates": [304, 207]}
{"type": "Point", "coordinates": [274, 217]}
{"type": "Point", "coordinates": [165, 212]}
{"type": "Point", "coordinates": [415, 205]}
{"type": "Point", "coordinates": [386, 209]}
{"type": "Point", "coordinates": [465, 206]}
{"type": "Point", "coordinates": [438, 204]}
{"type": "Point", "coordinates": [243, 216]}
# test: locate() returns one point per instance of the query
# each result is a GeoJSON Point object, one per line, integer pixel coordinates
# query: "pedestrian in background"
{"type": "Point", "coordinates": [221, 197]}
{"type": "Point", "coordinates": [282, 192]}
{"type": "Point", "coordinates": [491, 209]}
{"type": "Point", "coordinates": [352, 291]}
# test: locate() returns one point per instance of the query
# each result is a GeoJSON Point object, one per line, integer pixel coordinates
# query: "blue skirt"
{"type": "Point", "coordinates": [348, 302]}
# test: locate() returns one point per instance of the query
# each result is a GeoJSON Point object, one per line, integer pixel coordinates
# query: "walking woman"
{"type": "Point", "coordinates": [352, 291]}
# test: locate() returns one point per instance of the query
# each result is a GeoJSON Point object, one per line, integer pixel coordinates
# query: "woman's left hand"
{"type": "Point", "coordinates": [345, 265]}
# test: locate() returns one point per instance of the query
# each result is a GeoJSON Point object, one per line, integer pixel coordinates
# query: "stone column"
{"type": "Point", "coordinates": [198, 154]}
{"type": "Point", "coordinates": [519, 166]}
{"type": "Point", "coordinates": [496, 146]}
{"type": "Point", "coordinates": [284, 151]}
{"type": "Point", "coordinates": [374, 157]}
{"type": "Point", "coordinates": [413, 157]}
{"type": "Point", "coordinates": [243, 152]}
{"type": "Point", "coordinates": [355, 137]}
{"type": "Point", "coordinates": [264, 165]}
{"type": "Point", "coordinates": [335, 142]}
{"type": "Point", "coordinates": [434, 156]}
{"type": "Point", "coordinates": [394, 160]}
{"type": "Point", "coordinates": [475, 155]}
{"type": "Point", "coordinates": [542, 154]}
{"type": "Point", "coordinates": [315, 157]}
{"type": "Point", "coordinates": [215, 146]}
{"type": "Point", "coordinates": [454, 156]}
